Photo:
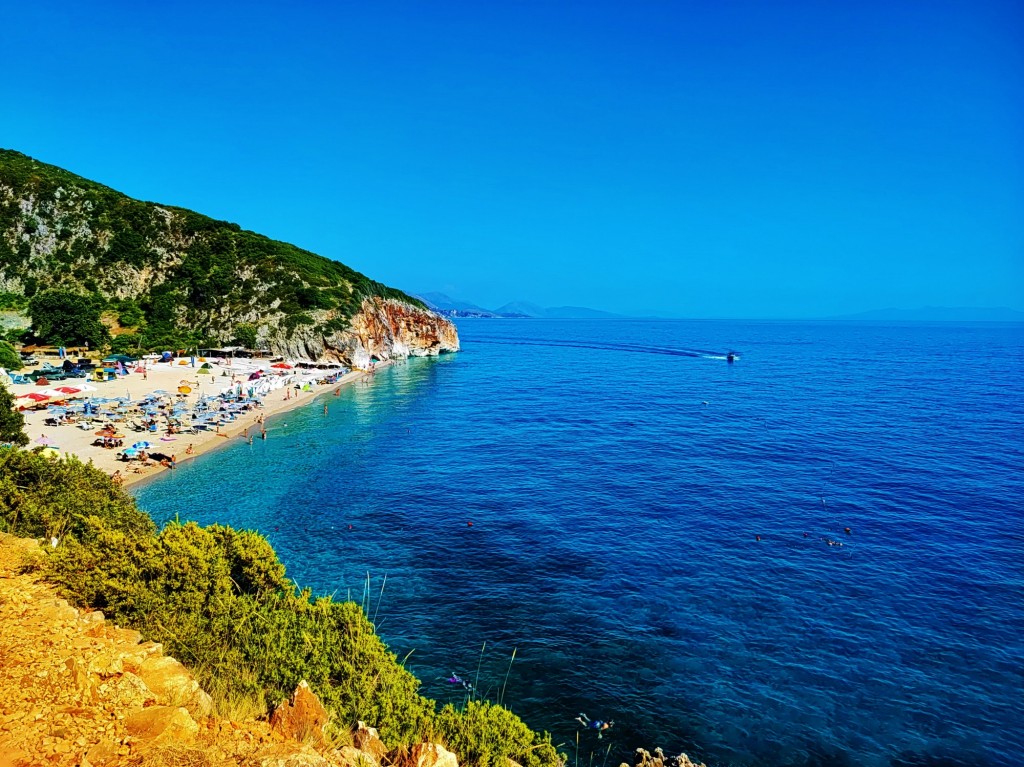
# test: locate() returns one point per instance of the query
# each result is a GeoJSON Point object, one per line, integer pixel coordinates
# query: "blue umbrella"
{"type": "Point", "coordinates": [141, 446]}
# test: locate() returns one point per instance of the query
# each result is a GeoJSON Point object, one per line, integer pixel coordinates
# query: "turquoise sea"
{"type": "Point", "coordinates": [589, 494]}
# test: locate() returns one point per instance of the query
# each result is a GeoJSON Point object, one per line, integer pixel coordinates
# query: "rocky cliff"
{"type": "Point", "coordinates": [383, 329]}
{"type": "Point", "coordinates": [174, 277]}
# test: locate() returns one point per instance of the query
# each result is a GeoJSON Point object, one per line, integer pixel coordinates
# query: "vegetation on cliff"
{"type": "Point", "coordinates": [173, 277]}
{"type": "Point", "coordinates": [220, 601]}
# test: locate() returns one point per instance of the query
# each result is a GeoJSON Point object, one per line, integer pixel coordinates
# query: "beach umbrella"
{"type": "Point", "coordinates": [69, 389]}
{"type": "Point", "coordinates": [141, 446]}
{"type": "Point", "coordinates": [105, 433]}
{"type": "Point", "coordinates": [44, 440]}
{"type": "Point", "coordinates": [281, 366]}
{"type": "Point", "coordinates": [34, 396]}
{"type": "Point", "coordinates": [159, 391]}
{"type": "Point", "coordinates": [85, 387]}
{"type": "Point", "coordinates": [185, 389]}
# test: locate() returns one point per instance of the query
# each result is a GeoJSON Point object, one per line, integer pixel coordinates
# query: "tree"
{"type": "Point", "coordinates": [245, 335]}
{"type": "Point", "coordinates": [9, 359]}
{"type": "Point", "coordinates": [12, 422]}
{"type": "Point", "coordinates": [68, 319]}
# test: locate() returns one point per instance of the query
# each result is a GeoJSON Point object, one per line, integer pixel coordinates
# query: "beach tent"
{"type": "Point", "coordinates": [166, 357]}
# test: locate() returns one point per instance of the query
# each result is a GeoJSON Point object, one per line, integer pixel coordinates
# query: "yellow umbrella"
{"type": "Point", "coordinates": [185, 389]}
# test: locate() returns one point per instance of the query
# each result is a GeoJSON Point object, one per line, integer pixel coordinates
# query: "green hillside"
{"type": "Point", "coordinates": [172, 275]}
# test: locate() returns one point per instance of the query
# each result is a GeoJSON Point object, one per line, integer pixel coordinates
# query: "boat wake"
{"type": "Point", "coordinates": [610, 347]}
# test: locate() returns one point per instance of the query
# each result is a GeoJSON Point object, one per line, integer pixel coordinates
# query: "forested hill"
{"type": "Point", "coordinates": [171, 275]}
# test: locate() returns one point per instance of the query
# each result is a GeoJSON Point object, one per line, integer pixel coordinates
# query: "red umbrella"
{"type": "Point", "coordinates": [35, 396]}
{"type": "Point", "coordinates": [282, 365]}
{"type": "Point", "coordinates": [68, 389]}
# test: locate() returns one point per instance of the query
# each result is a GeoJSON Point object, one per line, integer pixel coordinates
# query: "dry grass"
{"type": "Point", "coordinates": [174, 756]}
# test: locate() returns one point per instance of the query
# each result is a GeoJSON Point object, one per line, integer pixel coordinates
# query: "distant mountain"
{"type": "Point", "coordinates": [526, 309]}
{"type": "Point", "coordinates": [521, 309]}
{"type": "Point", "coordinates": [453, 307]}
{"type": "Point", "coordinates": [578, 313]}
{"type": "Point", "coordinates": [939, 314]}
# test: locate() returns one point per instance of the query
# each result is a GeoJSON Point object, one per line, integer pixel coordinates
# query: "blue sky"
{"type": "Point", "coordinates": [714, 159]}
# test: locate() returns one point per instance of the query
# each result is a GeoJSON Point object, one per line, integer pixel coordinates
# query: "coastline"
{"type": "Point", "coordinates": [161, 377]}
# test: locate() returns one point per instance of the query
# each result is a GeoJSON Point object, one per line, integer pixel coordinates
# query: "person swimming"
{"type": "Point", "coordinates": [595, 724]}
{"type": "Point", "coordinates": [455, 678]}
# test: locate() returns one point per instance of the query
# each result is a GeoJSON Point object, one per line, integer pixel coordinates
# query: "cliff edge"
{"type": "Point", "coordinates": [77, 691]}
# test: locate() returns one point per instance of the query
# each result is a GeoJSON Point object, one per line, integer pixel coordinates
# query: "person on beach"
{"type": "Point", "coordinates": [595, 724]}
{"type": "Point", "coordinates": [117, 478]}
{"type": "Point", "coordinates": [325, 409]}
{"type": "Point", "coordinates": [263, 434]}
{"type": "Point", "coordinates": [189, 450]}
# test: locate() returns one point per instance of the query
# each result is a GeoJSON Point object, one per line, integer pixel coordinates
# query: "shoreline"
{"type": "Point", "coordinates": [71, 440]}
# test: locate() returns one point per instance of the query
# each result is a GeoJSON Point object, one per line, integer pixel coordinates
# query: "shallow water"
{"type": "Point", "coordinates": [613, 531]}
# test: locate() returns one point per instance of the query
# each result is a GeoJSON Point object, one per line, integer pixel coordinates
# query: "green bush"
{"type": "Point", "coordinates": [12, 422]}
{"type": "Point", "coordinates": [63, 318]}
{"type": "Point", "coordinates": [9, 358]}
{"type": "Point", "coordinates": [486, 734]}
{"type": "Point", "coordinates": [219, 600]}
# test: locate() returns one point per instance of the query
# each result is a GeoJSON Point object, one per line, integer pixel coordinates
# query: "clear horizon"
{"type": "Point", "coordinates": [700, 160]}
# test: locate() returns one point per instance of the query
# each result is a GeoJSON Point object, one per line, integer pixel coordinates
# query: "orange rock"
{"type": "Point", "coordinates": [368, 741]}
{"type": "Point", "coordinates": [162, 725]}
{"type": "Point", "coordinates": [301, 718]}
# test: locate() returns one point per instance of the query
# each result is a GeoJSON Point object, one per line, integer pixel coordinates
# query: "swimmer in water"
{"type": "Point", "coordinates": [594, 724]}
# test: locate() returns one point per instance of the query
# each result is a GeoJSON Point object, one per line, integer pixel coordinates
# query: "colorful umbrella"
{"type": "Point", "coordinates": [35, 396]}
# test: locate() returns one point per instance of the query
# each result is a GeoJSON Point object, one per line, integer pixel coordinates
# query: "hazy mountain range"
{"type": "Point", "coordinates": [454, 307]}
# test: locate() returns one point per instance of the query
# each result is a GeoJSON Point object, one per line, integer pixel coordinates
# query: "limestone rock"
{"type": "Point", "coordinates": [103, 753]}
{"type": "Point", "coordinates": [162, 725]}
{"type": "Point", "coordinates": [129, 691]}
{"type": "Point", "coordinates": [367, 740]}
{"type": "Point", "coordinates": [301, 718]}
{"type": "Point", "coordinates": [84, 691]}
{"type": "Point", "coordinates": [171, 682]}
{"type": "Point", "coordinates": [431, 755]}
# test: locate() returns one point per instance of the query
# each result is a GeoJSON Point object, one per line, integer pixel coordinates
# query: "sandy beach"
{"type": "Point", "coordinates": [70, 439]}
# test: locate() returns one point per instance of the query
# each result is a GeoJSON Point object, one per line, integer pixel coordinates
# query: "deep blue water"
{"type": "Point", "coordinates": [613, 531]}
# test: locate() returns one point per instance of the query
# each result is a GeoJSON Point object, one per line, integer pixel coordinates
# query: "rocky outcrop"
{"type": "Point", "coordinates": [658, 759]}
{"type": "Point", "coordinates": [302, 718]}
{"type": "Point", "coordinates": [384, 329]}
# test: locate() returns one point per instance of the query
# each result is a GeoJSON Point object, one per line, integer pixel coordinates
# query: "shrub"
{"type": "Point", "coordinates": [12, 423]}
{"type": "Point", "coordinates": [486, 734]}
{"type": "Point", "coordinates": [9, 359]}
